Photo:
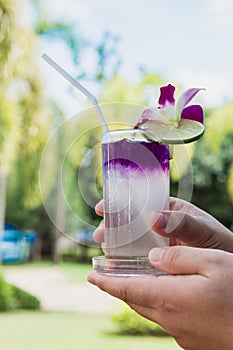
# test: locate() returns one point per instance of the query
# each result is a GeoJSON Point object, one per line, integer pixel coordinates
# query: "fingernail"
{"type": "Point", "coordinates": [156, 254]}
{"type": "Point", "coordinates": [159, 220]}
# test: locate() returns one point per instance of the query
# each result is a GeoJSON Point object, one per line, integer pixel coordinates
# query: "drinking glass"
{"type": "Point", "coordinates": [135, 183]}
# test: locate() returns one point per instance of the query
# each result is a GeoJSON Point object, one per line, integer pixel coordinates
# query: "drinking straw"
{"type": "Point", "coordinates": [78, 86]}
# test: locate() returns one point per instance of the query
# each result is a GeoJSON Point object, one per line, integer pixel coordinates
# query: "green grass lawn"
{"type": "Point", "coordinates": [70, 331]}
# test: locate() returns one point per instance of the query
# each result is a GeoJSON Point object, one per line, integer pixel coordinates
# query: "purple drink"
{"type": "Point", "coordinates": [136, 182]}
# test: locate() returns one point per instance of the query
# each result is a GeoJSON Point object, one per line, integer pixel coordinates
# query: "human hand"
{"type": "Point", "coordinates": [194, 304]}
{"type": "Point", "coordinates": [184, 224]}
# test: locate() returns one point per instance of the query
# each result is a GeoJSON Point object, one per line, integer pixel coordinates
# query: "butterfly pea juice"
{"type": "Point", "coordinates": [135, 183]}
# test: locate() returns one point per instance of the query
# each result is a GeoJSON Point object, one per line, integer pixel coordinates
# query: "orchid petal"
{"type": "Point", "coordinates": [193, 112]}
{"type": "Point", "coordinates": [167, 95]}
{"type": "Point", "coordinates": [151, 114]}
{"type": "Point", "coordinates": [185, 98]}
{"type": "Point", "coordinates": [168, 111]}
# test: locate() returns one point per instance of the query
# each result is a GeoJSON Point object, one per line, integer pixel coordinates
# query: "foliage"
{"type": "Point", "coordinates": [52, 29]}
{"type": "Point", "coordinates": [23, 113]}
{"type": "Point", "coordinates": [108, 61]}
{"type": "Point", "coordinates": [32, 121]}
{"type": "Point", "coordinates": [143, 92]}
{"type": "Point", "coordinates": [23, 300]}
{"type": "Point", "coordinates": [7, 32]}
{"type": "Point", "coordinates": [218, 125]}
{"type": "Point", "coordinates": [212, 164]}
{"type": "Point", "coordinates": [230, 182]}
{"type": "Point", "coordinates": [9, 134]}
{"type": "Point", "coordinates": [12, 298]}
{"type": "Point", "coordinates": [6, 295]}
{"type": "Point", "coordinates": [129, 322]}
{"type": "Point", "coordinates": [8, 110]}
{"type": "Point", "coordinates": [104, 52]}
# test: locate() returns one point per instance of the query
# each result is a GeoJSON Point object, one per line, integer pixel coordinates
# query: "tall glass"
{"type": "Point", "coordinates": [135, 182]}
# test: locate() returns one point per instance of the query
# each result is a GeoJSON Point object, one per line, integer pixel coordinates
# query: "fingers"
{"type": "Point", "coordinates": [176, 224]}
{"type": "Point", "coordinates": [152, 292]}
{"type": "Point", "coordinates": [188, 224]}
{"type": "Point", "coordinates": [132, 290]}
{"type": "Point", "coordinates": [181, 260]}
{"type": "Point", "coordinates": [177, 204]}
{"type": "Point", "coordinates": [192, 230]}
{"type": "Point", "coordinates": [98, 234]}
{"type": "Point", "coordinates": [99, 208]}
{"type": "Point", "coordinates": [187, 268]}
{"type": "Point", "coordinates": [180, 204]}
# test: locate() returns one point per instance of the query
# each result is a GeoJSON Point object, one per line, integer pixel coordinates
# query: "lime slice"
{"type": "Point", "coordinates": [186, 131]}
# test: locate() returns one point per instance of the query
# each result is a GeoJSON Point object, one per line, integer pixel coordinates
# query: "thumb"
{"type": "Point", "coordinates": [182, 260]}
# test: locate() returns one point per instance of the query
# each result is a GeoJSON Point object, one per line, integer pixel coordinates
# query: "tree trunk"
{"type": "Point", "coordinates": [59, 221]}
{"type": "Point", "coordinates": [60, 203]}
{"type": "Point", "coordinates": [3, 184]}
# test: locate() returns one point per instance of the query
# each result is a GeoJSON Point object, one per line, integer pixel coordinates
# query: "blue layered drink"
{"type": "Point", "coordinates": [136, 182]}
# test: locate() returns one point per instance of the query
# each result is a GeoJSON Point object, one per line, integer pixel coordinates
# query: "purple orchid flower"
{"type": "Point", "coordinates": [169, 112]}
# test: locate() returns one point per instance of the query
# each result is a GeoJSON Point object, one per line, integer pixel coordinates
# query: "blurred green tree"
{"type": "Point", "coordinates": [212, 166]}
{"type": "Point", "coordinates": [27, 116]}
{"type": "Point", "coordinates": [24, 116]}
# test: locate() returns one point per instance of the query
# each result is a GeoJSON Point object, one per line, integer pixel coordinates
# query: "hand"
{"type": "Point", "coordinates": [184, 224]}
{"type": "Point", "coordinates": [194, 304]}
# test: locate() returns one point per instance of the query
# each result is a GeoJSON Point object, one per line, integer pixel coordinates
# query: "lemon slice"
{"type": "Point", "coordinates": [186, 131]}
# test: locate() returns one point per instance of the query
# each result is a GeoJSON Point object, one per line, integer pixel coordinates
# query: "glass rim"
{"type": "Point", "coordinates": [116, 134]}
{"type": "Point", "coordinates": [116, 131]}
{"type": "Point", "coordinates": [121, 132]}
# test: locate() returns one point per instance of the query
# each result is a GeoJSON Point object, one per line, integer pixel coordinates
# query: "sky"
{"type": "Point", "coordinates": [187, 42]}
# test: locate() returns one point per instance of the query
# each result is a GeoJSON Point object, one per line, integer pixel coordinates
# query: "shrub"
{"type": "Point", "coordinates": [5, 295]}
{"type": "Point", "coordinates": [128, 322]}
{"type": "Point", "coordinates": [24, 300]}
{"type": "Point", "coordinates": [12, 298]}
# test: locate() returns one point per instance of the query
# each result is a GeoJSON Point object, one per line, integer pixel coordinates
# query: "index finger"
{"type": "Point", "coordinates": [147, 291]}
{"type": "Point", "coordinates": [131, 290]}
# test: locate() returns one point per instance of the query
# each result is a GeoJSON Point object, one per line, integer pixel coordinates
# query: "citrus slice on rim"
{"type": "Point", "coordinates": [187, 131]}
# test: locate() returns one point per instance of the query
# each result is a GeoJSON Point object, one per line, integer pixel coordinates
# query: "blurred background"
{"type": "Point", "coordinates": [123, 52]}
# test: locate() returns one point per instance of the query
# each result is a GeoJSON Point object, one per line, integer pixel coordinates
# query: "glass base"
{"type": "Point", "coordinates": [134, 266]}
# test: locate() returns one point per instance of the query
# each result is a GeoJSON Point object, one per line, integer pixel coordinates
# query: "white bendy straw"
{"type": "Point", "coordinates": [78, 86]}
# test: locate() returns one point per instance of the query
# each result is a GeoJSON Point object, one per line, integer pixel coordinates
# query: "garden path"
{"type": "Point", "coordinates": [57, 292]}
